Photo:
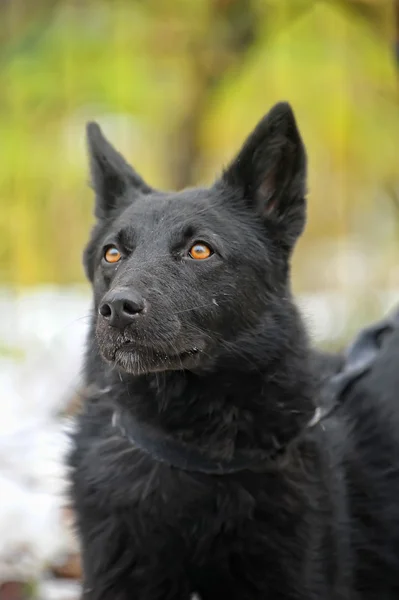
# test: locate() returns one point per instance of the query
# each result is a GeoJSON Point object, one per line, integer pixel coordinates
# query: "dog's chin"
{"type": "Point", "coordinates": [143, 361]}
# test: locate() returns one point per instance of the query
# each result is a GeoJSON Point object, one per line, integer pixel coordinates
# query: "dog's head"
{"type": "Point", "coordinates": [180, 278]}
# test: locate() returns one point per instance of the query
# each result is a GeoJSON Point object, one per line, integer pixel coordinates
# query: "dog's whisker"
{"type": "Point", "coordinates": [194, 308]}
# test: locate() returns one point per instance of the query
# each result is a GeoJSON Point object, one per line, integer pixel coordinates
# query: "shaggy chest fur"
{"type": "Point", "coordinates": [202, 533]}
{"type": "Point", "coordinates": [246, 534]}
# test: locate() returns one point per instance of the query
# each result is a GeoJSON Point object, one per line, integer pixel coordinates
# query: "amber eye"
{"type": "Point", "coordinates": [200, 251]}
{"type": "Point", "coordinates": [112, 254]}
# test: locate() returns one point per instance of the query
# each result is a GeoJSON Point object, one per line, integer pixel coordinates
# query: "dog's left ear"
{"type": "Point", "coordinates": [269, 173]}
{"type": "Point", "coordinates": [115, 182]}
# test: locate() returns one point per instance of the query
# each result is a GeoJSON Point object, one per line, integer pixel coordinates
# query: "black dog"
{"type": "Point", "coordinates": [202, 461]}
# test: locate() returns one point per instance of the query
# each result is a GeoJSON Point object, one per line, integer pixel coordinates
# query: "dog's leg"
{"type": "Point", "coordinates": [244, 584]}
{"type": "Point", "coordinates": [150, 582]}
{"type": "Point", "coordinates": [119, 566]}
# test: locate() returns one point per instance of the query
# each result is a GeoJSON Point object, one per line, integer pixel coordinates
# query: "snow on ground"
{"type": "Point", "coordinates": [48, 330]}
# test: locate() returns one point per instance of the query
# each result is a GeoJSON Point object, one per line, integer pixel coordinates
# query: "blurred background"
{"type": "Point", "coordinates": [176, 86]}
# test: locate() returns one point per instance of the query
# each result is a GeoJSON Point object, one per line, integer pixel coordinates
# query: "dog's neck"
{"type": "Point", "coordinates": [224, 410]}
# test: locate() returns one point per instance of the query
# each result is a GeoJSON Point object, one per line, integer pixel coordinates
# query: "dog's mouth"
{"type": "Point", "coordinates": [139, 360]}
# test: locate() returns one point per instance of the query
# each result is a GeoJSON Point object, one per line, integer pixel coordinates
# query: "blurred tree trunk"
{"type": "Point", "coordinates": [22, 24]}
{"type": "Point", "coordinates": [231, 34]}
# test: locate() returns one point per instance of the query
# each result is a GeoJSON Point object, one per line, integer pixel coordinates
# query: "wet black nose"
{"type": "Point", "coordinates": [120, 308]}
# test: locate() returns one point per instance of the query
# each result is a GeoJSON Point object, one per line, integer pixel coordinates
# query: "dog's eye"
{"type": "Point", "coordinates": [112, 254]}
{"type": "Point", "coordinates": [200, 251]}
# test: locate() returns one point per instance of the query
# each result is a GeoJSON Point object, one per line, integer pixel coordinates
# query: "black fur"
{"type": "Point", "coordinates": [216, 358]}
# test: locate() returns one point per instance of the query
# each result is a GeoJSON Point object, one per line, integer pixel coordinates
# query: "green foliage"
{"type": "Point", "coordinates": [187, 80]}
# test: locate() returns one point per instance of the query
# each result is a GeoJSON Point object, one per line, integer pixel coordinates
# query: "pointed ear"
{"type": "Point", "coordinates": [111, 176]}
{"type": "Point", "coordinates": [269, 173]}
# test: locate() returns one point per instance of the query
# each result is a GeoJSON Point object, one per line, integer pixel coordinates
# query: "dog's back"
{"type": "Point", "coordinates": [371, 407]}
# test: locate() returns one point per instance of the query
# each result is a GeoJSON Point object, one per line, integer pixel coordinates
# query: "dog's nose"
{"type": "Point", "coordinates": [121, 308]}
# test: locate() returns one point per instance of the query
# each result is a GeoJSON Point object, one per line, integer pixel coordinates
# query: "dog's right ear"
{"type": "Point", "coordinates": [114, 181]}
